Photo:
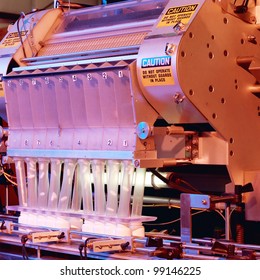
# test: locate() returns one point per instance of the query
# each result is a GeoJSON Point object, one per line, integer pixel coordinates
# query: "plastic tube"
{"type": "Point", "coordinates": [138, 195]}
{"type": "Point", "coordinates": [32, 182]}
{"type": "Point", "coordinates": [76, 222]}
{"type": "Point", "coordinates": [43, 184]}
{"type": "Point", "coordinates": [112, 187]}
{"type": "Point", "coordinates": [85, 185]}
{"type": "Point", "coordinates": [20, 175]}
{"type": "Point", "coordinates": [125, 189]}
{"type": "Point", "coordinates": [77, 194]}
{"type": "Point", "coordinates": [54, 184]}
{"type": "Point", "coordinates": [99, 195]}
{"type": "Point", "coordinates": [66, 188]}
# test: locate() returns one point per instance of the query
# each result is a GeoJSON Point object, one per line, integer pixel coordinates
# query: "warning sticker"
{"type": "Point", "coordinates": [177, 15]}
{"type": "Point", "coordinates": [157, 71]}
{"type": "Point", "coordinates": [12, 39]}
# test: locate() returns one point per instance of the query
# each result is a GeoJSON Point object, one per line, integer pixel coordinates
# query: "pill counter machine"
{"type": "Point", "coordinates": [116, 118]}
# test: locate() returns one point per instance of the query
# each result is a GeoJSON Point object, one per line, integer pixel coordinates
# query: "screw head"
{"type": "Point", "coordinates": [204, 202]}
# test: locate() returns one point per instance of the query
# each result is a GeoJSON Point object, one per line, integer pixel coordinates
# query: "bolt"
{"type": "Point", "coordinates": [251, 39]}
{"type": "Point", "coordinates": [47, 80]}
{"type": "Point", "coordinates": [195, 153]}
{"type": "Point", "coordinates": [178, 98]}
{"type": "Point", "coordinates": [204, 202]}
{"type": "Point", "coordinates": [188, 148]}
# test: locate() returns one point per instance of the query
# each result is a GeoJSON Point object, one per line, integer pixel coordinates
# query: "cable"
{"type": "Point", "coordinates": [174, 185]}
{"type": "Point", "coordinates": [9, 180]}
{"type": "Point", "coordinates": [189, 185]}
{"type": "Point", "coordinates": [2, 227]}
{"type": "Point", "coordinates": [9, 175]}
{"type": "Point", "coordinates": [24, 239]}
{"type": "Point", "coordinates": [81, 246]}
{"type": "Point", "coordinates": [19, 33]}
{"type": "Point", "coordinates": [29, 38]}
{"type": "Point", "coordinates": [162, 205]}
{"type": "Point", "coordinates": [218, 211]}
{"type": "Point", "coordinates": [241, 8]}
{"type": "Point", "coordinates": [174, 221]}
{"type": "Point", "coordinates": [84, 246]}
{"type": "Point", "coordinates": [22, 16]}
{"type": "Point", "coordinates": [173, 178]}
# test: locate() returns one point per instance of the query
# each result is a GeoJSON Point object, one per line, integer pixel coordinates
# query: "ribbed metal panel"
{"type": "Point", "coordinates": [117, 41]}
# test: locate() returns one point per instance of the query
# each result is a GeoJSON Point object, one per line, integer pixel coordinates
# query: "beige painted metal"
{"type": "Point", "coordinates": [214, 60]}
{"type": "Point", "coordinates": [33, 43]}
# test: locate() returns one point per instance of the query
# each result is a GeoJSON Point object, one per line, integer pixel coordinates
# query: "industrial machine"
{"type": "Point", "coordinates": [122, 120]}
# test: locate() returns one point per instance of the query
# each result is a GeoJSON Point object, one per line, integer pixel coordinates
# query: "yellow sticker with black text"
{"type": "Point", "coordinates": [13, 39]}
{"type": "Point", "coordinates": [178, 15]}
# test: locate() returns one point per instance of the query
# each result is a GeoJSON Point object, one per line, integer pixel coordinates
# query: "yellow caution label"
{"type": "Point", "coordinates": [1, 89]}
{"type": "Point", "coordinates": [157, 71]}
{"type": "Point", "coordinates": [13, 39]}
{"type": "Point", "coordinates": [178, 15]}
